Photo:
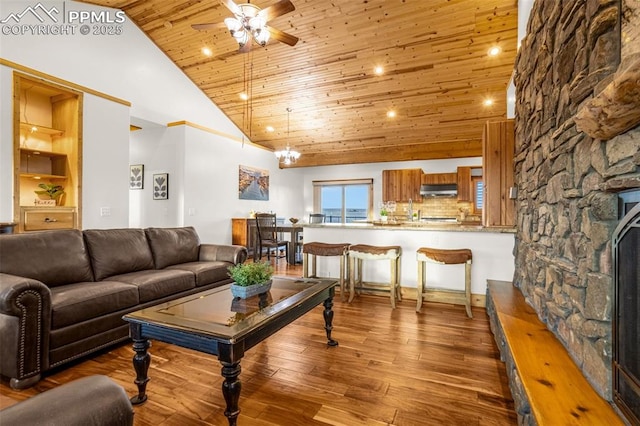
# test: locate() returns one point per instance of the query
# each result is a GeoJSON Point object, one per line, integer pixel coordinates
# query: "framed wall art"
{"type": "Point", "coordinates": [136, 176]}
{"type": "Point", "coordinates": [253, 184]}
{"type": "Point", "coordinates": [161, 186]}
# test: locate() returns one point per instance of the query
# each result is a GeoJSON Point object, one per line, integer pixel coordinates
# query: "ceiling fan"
{"type": "Point", "coordinates": [249, 23]}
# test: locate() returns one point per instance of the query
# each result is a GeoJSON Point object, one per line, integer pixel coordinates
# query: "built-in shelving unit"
{"type": "Point", "coordinates": [38, 164]}
{"type": "Point", "coordinates": [35, 128]}
{"type": "Point", "coordinates": [47, 149]}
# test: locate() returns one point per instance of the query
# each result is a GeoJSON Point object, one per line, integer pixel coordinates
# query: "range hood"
{"type": "Point", "coordinates": [439, 190]}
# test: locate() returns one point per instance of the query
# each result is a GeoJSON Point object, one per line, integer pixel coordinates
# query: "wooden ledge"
{"type": "Point", "coordinates": [556, 390]}
{"type": "Point", "coordinates": [616, 109]}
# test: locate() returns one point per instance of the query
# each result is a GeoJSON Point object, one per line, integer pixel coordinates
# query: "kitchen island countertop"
{"type": "Point", "coordinates": [415, 226]}
{"type": "Point", "coordinates": [492, 249]}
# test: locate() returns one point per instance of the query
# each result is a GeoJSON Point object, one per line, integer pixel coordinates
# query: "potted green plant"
{"type": "Point", "coordinates": [51, 190]}
{"type": "Point", "coordinates": [250, 279]}
{"type": "Point", "coordinates": [384, 214]}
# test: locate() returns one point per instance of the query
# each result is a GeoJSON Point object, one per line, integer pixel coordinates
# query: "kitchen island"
{"type": "Point", "coordinates": [492, 249]}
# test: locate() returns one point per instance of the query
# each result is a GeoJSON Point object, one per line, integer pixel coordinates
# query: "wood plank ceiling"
{"type": "Point", "coordinates": [437, 73]}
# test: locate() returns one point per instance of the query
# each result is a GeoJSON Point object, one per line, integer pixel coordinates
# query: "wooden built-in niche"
{"type": "Point", "coordinates": [47, 123]}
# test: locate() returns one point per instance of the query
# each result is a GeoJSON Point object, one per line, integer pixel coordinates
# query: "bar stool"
{"type": "Point", "coordinates": [360, 252]}
{"type": "Point", "coordinates": [444, 257]}
{"type": "Point", "coordinates": [325, 249]}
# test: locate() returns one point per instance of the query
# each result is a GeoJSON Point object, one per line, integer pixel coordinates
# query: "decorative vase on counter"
{"type": "Point", "coordinates": [244, 292]}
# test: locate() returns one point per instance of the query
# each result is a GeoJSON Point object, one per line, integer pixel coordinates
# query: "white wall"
{"type": "Point", "coordinates": [105, 163]}
{"type": "Point", "coordinates": [203, 181]}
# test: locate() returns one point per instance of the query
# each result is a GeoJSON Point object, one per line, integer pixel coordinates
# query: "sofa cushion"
{"type": "Point", "coordinates": [51, 257]}
{"type": "Point", "coordinates": [171, 246]}
{"type": "Point", "coordinates": [78, 302]}
{"type": "Point", "coordinates": [156, 284]}
{"type": "Point", "coordinates": [117, 251]}
{"type": "Point", "coordinates": [206, 272]}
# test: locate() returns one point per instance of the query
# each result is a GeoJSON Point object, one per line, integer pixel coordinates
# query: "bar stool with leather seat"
{"type": "Point", "coordinates": [361, 252]}
{"type": "Point", "coordinates": [315, 249]}
{"type": "Point", "coordinates": [426, 255]}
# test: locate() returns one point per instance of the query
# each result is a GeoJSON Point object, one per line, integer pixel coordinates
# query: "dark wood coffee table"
{"type": "Point", "coordinates": [214, 322]}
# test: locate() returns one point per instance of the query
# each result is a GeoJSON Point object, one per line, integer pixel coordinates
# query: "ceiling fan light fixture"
{"type": "Point", "coordinates": [249, 10]}
{"type": "Point", "coordinates": [241, 37]}
{"type": "Point", "coordinates": [257, 23]}
{"type": "Point", "coordinates": [261, 36]}
{"type": "Point", "coordinates": [233, 25]}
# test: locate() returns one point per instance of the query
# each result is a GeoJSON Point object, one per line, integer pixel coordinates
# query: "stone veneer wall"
{"type": "Point", "coordinates": [567, 205]}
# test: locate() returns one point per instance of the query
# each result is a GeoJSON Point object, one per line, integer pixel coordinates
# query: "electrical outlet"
{"type": "Point", "coordinates": [105, 211]}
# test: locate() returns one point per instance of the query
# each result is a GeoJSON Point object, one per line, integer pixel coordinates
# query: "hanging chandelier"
{"type": "Point", "coordinates": [287, 156]}
{"type": "Point", "coordinates": [246, 23]}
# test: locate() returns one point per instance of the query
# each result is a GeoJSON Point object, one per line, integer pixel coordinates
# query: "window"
{"type": "Point", "coordinates": [343, 201]}
{"type": "Point", "coordinates": [478, 194]}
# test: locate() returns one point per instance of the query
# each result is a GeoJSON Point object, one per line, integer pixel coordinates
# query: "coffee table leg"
{"type": "Point", "coordinates": [141, 362]}
{"type": "Point", "coordinates": [328, 320]}
{"type": "Point", "coordinates": [231, 390]}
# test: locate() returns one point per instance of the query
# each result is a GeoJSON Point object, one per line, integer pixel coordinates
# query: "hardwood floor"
{"type": "Point", "coordinates": [392, 367]}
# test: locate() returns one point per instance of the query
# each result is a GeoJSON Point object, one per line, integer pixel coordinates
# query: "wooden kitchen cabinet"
{"type": "Point", "coordinates": [466, 187]}
{"type": "Point", "coordinates": [498, 173]}
{"type": "Point", "coordinates": [401, 185]}
{"type": "Point", "coordinates": [438, 178]}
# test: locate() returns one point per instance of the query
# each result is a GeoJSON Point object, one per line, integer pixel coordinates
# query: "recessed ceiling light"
{"type": "Point", "coordinates": [206, 51]}
{"type": "Point", "coordinates": [270, 129]}
{"type": "Point", "coordinates": [391, 114]}
{"type": "Point", "coordinates": [244, 96]}
{"type": "Point", "coordinates": [379, 70]}
{"type": "Point", "coordinates": [487, 102]}
{"type": "Point", "coordinates": [494, 51]}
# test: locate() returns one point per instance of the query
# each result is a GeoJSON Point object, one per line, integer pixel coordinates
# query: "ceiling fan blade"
{"type": "Point", "coordinates": [286, 38]}
{"type": "Point", "coordinates": [202, 27]}
{"type": "Point", "coordinates": [278, 9]}
{"type": "Point", "coordinates": [234, 8]}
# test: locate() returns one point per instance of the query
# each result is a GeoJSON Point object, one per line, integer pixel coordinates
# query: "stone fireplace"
{"type": "Point", "coordinates": [577, 146]}
{"type": "Point", "coordinates": [626, 318]}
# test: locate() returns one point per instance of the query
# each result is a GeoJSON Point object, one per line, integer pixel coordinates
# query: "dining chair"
{"type": "Point", "coordinates": [268, 236]}
{"type": "Point", "coordinates": [316, 218]}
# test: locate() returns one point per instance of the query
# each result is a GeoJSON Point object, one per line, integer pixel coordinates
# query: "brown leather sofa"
{"type": "Point", "coordinates": [89, 401]}
{"type": "Point", "coordinates": [63, 293]}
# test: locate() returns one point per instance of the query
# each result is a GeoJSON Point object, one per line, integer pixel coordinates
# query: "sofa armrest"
{"type": "Point", "coordinates": [25, 321]}
{"type": "Point", "coordinates": [223, 253]}
{"type": "Point", "coordinates": [89, 401]}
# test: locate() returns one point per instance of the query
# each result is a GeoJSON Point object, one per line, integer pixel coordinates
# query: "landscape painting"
{"type": "Point", "coordinates": [253, 184]}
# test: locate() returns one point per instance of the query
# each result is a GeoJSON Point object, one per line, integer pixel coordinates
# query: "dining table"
{"type": "Point", "coordinates": [294, 241]}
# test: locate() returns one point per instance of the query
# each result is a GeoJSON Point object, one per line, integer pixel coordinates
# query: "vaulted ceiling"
{"type": "Point", "coordinates": [437, 73]}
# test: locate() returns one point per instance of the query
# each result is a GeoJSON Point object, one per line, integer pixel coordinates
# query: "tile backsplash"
{"type": "Point", "coordinates": [448, 207]}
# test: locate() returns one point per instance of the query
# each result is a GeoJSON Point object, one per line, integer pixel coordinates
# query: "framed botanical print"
{"type": "Point", "coordinates": [136, 176]}
{"type": "Point", "coordinates": [161, 186]}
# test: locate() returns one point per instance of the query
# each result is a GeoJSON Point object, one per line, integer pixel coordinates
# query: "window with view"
{"type": "Point", "coordinates": [478, 195]}
{"type": "Point", "coordinates": [343, 201]}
